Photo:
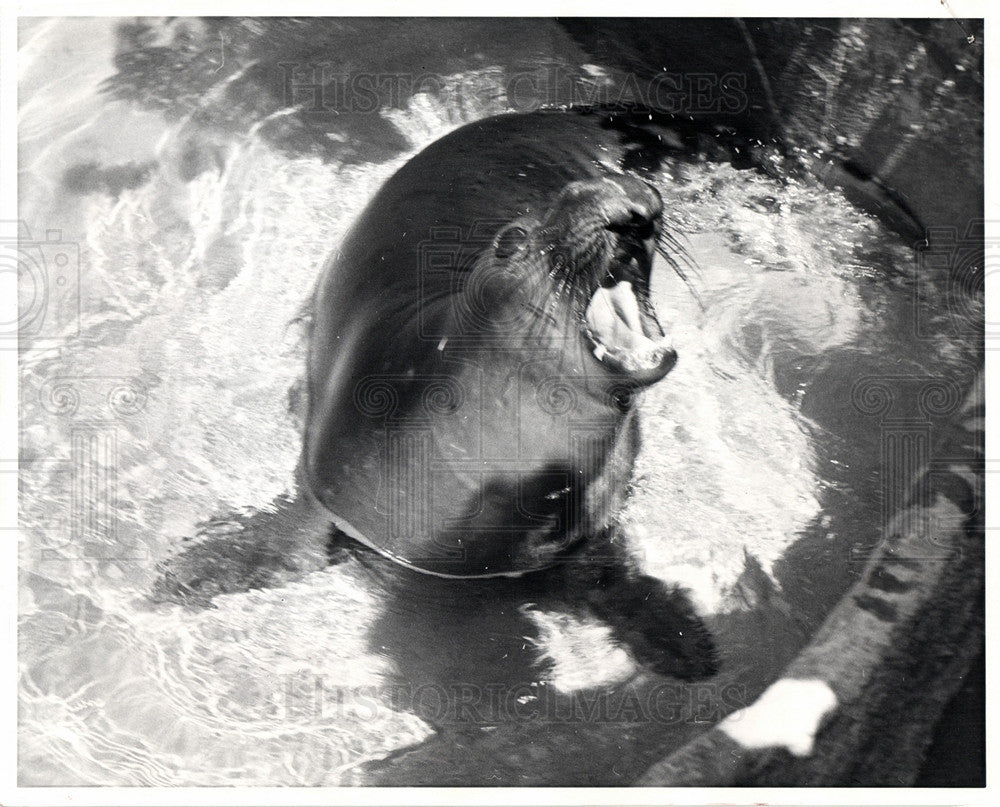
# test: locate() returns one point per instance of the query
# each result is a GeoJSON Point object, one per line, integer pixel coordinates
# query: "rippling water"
{"type": "Point", "coordinates": [170, 402]}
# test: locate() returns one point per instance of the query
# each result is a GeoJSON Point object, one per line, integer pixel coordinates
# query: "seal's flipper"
{"type": "Point", "coordinates": [654, 620]}
{"type": "Point", "coordinates": [246, 551]}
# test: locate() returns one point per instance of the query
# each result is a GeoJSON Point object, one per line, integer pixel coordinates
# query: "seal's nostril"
{"type": "Point", "coordinates": [640, 215]}
{"type": "Point", "coordinates": [640, 226]}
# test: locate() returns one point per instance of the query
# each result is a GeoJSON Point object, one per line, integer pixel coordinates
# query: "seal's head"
{"type": "Point", "coordinates": [582, 272]}
{"type": "Point", "coordinates": [603, 235]}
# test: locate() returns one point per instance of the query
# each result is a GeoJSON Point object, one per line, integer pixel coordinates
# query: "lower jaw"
{"type": "Point", "coordinates": [634, 369]}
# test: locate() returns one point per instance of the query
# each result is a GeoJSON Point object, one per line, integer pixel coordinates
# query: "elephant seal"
{"type": "Point", "coordinates": [475, 344]}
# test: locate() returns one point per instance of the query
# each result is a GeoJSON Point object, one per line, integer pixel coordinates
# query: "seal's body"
{"type": "Point", "coordinates": [474, 342]}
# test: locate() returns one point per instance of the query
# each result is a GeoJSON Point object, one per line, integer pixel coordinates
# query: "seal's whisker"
{"type": "Point", "coordinates": [668, 240]}
{"type": "Point", "coordinates": [671, 248]}
{"type": "Point", "coordinates": [668, 256]}
{"type": "Point", "coordinates": [667, 233]}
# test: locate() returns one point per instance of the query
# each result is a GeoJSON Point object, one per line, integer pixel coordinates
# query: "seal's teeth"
{"type": "Point", "coordinates": [599, 352]}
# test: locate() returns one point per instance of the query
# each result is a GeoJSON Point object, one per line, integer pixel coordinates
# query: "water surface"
{"type": "Point", "coordinates": [199, 232]}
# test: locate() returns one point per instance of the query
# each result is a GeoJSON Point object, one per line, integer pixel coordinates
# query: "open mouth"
{"type": "Point", "coordinates": [620, 321]}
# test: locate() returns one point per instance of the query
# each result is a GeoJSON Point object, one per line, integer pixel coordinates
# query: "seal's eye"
{"type": "Point", "coordinates": [509, 241]}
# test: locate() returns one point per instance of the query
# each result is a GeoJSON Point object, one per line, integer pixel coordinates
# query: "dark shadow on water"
{"type": "Point", "coordinates": [437, 631]}
{"type": "Point", "coordinates": [466, 661]}
{"type": "Point", "coordinates": [473, 640]}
